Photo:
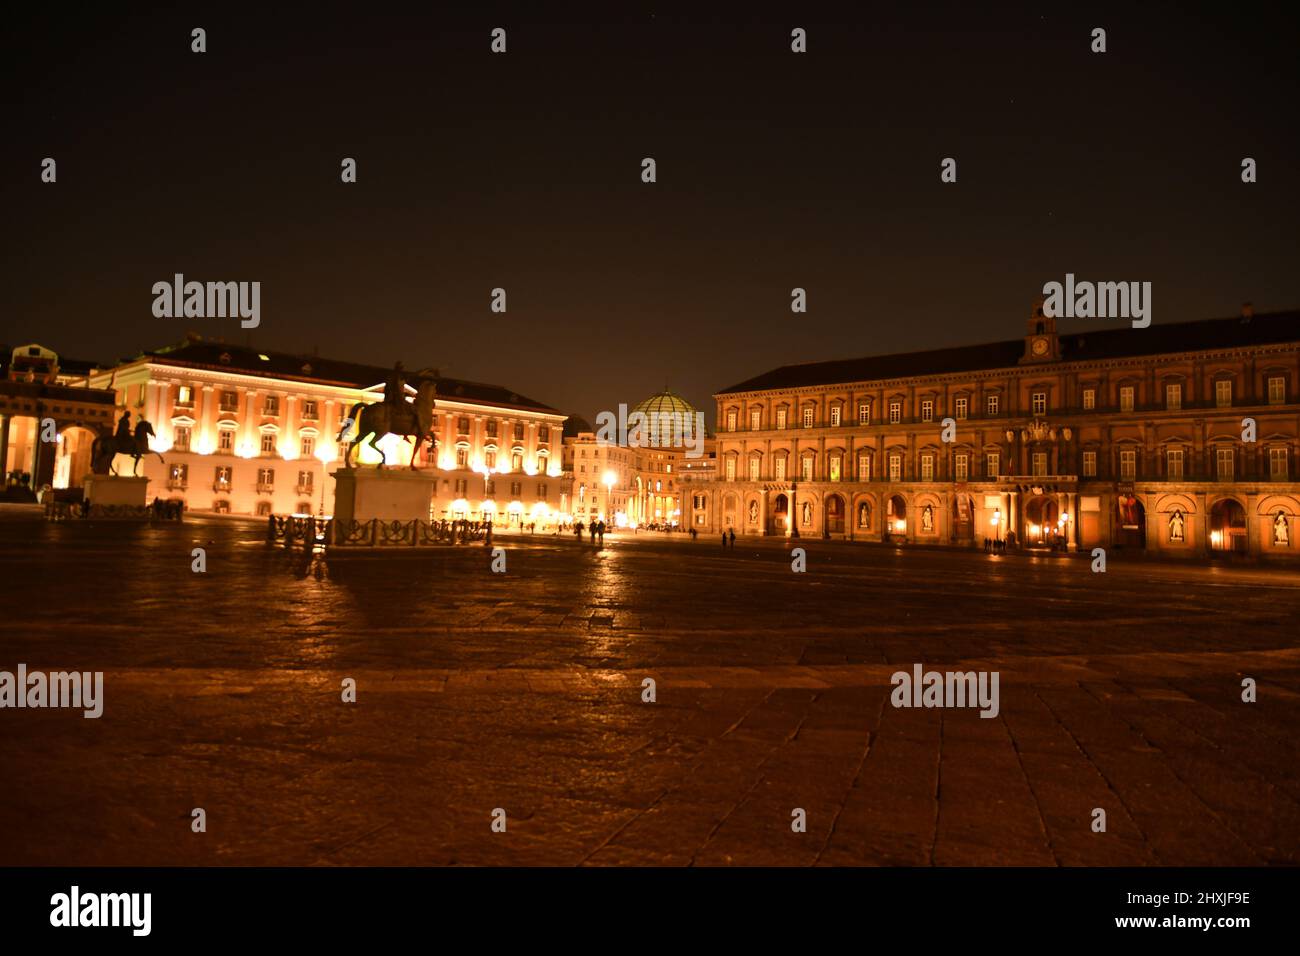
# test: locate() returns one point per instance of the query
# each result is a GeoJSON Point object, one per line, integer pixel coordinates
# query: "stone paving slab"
{"type": "Point", "coordinates": [523, 692]}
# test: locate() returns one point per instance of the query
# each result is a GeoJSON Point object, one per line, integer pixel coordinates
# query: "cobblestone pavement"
{"type": "Point", "coordinates": [523, 691]}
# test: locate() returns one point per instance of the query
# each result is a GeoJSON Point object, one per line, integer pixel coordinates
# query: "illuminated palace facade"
{"type": "Point", "coordinates": [244, 431]}
{"type": "Point", "coordinates": [1179, 439]}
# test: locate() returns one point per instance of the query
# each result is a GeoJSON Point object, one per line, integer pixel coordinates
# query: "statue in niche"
{"type": "Point", "coordinates": [1281, 531]}
{"type": "Point", "coordinates": [807, 513]}
{"type": "Point", "coordinates": [864, 515]}
{"type": "Point", "coordinates": [927, 519]}
{"type": "Point", "coordinates": [1176, 526]}
{"type": "Point", "coordinates": [753, 512]}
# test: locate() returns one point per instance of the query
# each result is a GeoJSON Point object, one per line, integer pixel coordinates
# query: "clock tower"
{"type": "Point", "coordinates": [1041, 344]}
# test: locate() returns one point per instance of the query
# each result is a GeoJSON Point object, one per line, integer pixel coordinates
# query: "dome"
{"type": "Point", "coordinates": [574, 425]}
{"type": "Point", "coordinates": [666, 402]}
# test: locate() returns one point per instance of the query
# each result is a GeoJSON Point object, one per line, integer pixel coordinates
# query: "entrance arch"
{"type": "Point", "coordinates": [72, 462]}
{"type": "Point", "coordinates": [834, 521]}
{"type": "Point", "coordinates": [1041, 521]}
{"type": "Point", "coordinates": [895, 516]}
{"type": "Point", "coordinates": [1228, 526]}
{"type": "Point", "coordinates": [780, 515]}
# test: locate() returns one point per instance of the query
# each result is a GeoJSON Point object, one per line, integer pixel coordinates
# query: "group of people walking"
{"type": "Point", "coordinates": [597, 532]}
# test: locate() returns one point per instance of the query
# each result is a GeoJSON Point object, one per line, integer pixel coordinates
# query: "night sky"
{"type": "Point", "coordinates": [522, 170]}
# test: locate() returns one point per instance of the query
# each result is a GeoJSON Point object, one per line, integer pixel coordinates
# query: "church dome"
{"type": "Point", "coordinates": [666, 402]}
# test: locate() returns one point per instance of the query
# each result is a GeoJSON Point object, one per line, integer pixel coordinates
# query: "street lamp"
{"type": "Point", "coordinates": [996, 520]}
{"type": "Point", "coordinates": [608, 479]}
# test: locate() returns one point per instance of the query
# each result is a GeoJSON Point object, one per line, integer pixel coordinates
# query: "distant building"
{"type": "Point", "coordinates": [248, 431]}
{"type": "Point", "coordinates": [636, 484]}
{"type": "Point", "coordinates": [1132, 438]}
{"type": "Point", "coordinates": [38, 386]}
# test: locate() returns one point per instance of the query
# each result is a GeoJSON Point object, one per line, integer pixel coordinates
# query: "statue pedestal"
{"type": "Point", "coordinates": [115, 490]}
{"type": "Point", "coordinates": [396, 494]}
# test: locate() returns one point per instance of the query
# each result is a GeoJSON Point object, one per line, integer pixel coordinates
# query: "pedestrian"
{"type": "Point", "coordinates": [577, 530]}
{"type": "Point", "coordinates": [986, 544]}
{"type": "Point", "coordinates": [733, 539]}
{"type": "Point", "coordinates": [724, 541]}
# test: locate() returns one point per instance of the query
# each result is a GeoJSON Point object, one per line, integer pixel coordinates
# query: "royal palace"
{"type": "Point", "coordinates": [1179, 439]}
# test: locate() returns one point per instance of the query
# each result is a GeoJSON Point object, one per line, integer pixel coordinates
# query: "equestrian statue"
{"type": "Point", "coordinates": [122, 442]}
{"type": "Point", "coordinates": [394, 415]}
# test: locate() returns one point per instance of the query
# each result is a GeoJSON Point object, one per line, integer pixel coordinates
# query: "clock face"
{"type": "Point", "coordinates": [1040, 346]}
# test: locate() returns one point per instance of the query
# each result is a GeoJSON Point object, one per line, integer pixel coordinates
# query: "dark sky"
{"type": "Point", "coordinates": [775, 170]}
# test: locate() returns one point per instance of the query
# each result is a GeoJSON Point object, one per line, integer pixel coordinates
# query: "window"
{"type": "Point", "coordinates": [807, 466]}
{"type": "Point", "coordinates": [779, 468]}
{"type": "Point", "coordinates": [272, 405]}
{"type": "Point", "coordinates": [221, 506]}
{"type": "Point", "coordinates": [1174, 464]}
{"type": "Point", "coordinates": [225, 439]}
{"type": "Point", "coordinates": [1039, 463]}
{"type": "Point", "coordinates": [927, 467]}
{"type": "Point", "coordinates": [835, 467]}
{"type": "Point", "coordinates": [181, 438]}
{"type": "Point", "coordinates": [1277, 469]}
{"type": "Point", "coordinates": [991, 405]}
{"type": "Point", "coordinates": [462, 457]}
{"type": "Point", "coordinates": [462, 487]}
{"type": "Point", "coordinates": [266, 479]}
{"type": "Point", "coordinates": [754, 465]}
{"type": "Point", "coordinates": [308, 446]}
{"type": "Point", "coordinates": [962, 405]}
{"type": "Point", "coordinates": [780, 417]}
{"type": "Point", "coordinates": [895, 467]}
{"type": "Point", "coordinates": [864, 468]}
{"type": "Point", "coordinates": [1040, 403]}
{"type": "Point", "coordinates": [185, 396]}
{"type": "Point", "coordinates": [490, 460]}
{"type": "Point", "coordinates": [516, 461]}
{"type": "Point", "coordinates": [230, 401]}
{"type": "Point", "coordinates": [1090, 464]}
{"type": "Point", "coordinates": [1276, 390]}
{"type": "Point", "coordinates": [264, 508]}
{"type": "Point", "coordinates": [731, 420]}
{"type": "Point", "coordinates": [1223, 393]}
{"type": "Point", "coordinates": [541, 492]}
{"type": "Point", "coordinates": [927, 410]}
{"type": "Point", "coordinates": [1173, 397]}
{"type": "Point", "coordinates": [755, 419]}
{"type": "Point", "coordinates": [516, 489]}
{"type": "Point", "coordinates": [1127, 464]}
{"type": "Point", "coordinates": [808, 417]}
{"type": "Point", "coordinates": [1126, 398]}
{"type": "Point", "coordinates": [991, 464]}
{"type": "Point", "coordinates": [731, 469]}
{"type": "Point", "coordinates": [304, 482]}
{"type": "Point", "coordinates": [864, 413]}
{"type": "Point", "coordinates": [519, 431]}
{"type": "Point", "coordinates": [268, 443]}
{"type": "Point", "coordinates": [178, 476]}
{"type": "Point", "coordinates": [895, 412]}
{"type": "Point", "coordinates": [1089, 399]}
{"type": "Point", "coordinates": [221, 480]}
{"type": "Point", "coordinates": [309, 408]}
{"type": "Point", "coordinates": [835, 416]}
{"type": "Point", "coordinates": [961, 467]}
{"type": "Point", "coordinates": [490, 428]}
{"type": "Point", "coordinates": [543, 434]}
{"type": "Point", "coordinates": [1223, 464]}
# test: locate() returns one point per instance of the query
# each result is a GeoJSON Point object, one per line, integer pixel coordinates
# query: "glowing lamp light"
{"type": "Point", "coordinates": [1033, 529]}
{"type": "Point", "coordinates": [459, 505]}
{"type": "Point", "coordinates": [1216, 538]}
{"type": "Point", "coordinates": [489, 505]}
{"type": "Point", "coordinates": [515, 507]}
{"type": "Point", "coordinates": [608, 479]}
{"type": "Point", "coordinates": [997, 516]}
{"type": "Point", "coordinates": [325, 453]}
{"type": "Point", "coordinates": [540, 510]}
{"type": "Point", "coordinates": [1065, 516]}
{"type": "Point", "coordinates": [900, 525]}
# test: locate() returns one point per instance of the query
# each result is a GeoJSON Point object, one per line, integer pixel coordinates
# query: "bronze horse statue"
{"type": "Point", "coordinates": [396, 418]}
{"type": "Point", "coordinates": [106, 446]}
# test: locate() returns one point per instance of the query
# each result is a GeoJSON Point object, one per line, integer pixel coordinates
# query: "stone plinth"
{"type": "Point", "coordinates": [116, 491]}
{"type": "Point", "coordinates": [396, 494]}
